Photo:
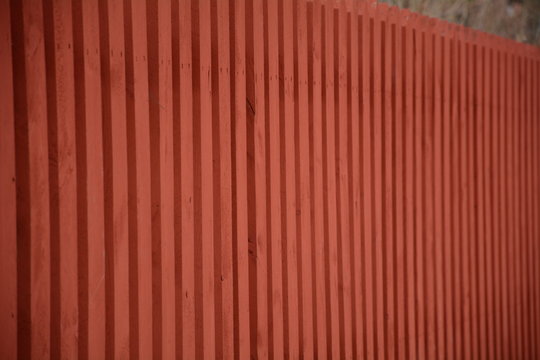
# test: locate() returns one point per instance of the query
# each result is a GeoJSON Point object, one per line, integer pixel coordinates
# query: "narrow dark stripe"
{"type": "Point", "coordinates": [270, 286]}
{"type": "Point", "coordinates": [54, 196]}
{"type": "Point", "coordinates": [337, 173]}
{"type": "Point", "coordinates": [176, 70]}
{"type": "Point", "coordinates": [22, 171]}
{"type": "Point", "coordinates": [373, 199]}
{"type": "Point", "coordinates": [107, 177]}
{"type": "Point", "coordinates": [152, 26]}
{"type": "Point", "coordinates": [298, 194]}
{"type": "Point", "coordinates": [251, 205]}
{"type": "Point", "coordinates": [324, 84]}
{"type": "Point", "coordinates": [310, 95]}
{"type": "Point", "coordinates": [282, 177]}
{"type": "Point", "coordinates": [197, 196]}
{"type": "Point", "coordinates": [82, 173]}
{"type": "Point", "coordinates": [216, 160]}
{"type": "Point", "coordinates": [353, 237]}
{"type": "Point", "coordinates": [234, 191]}
{"type": "Point", "coordinates": [132, 185]}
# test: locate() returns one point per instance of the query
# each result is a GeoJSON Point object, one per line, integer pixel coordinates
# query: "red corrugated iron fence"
{"type": "Point", "coordinates": [242, 179]}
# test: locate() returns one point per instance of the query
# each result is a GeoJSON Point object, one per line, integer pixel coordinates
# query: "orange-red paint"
{"type": "Point", "coordinates": [265, 179]}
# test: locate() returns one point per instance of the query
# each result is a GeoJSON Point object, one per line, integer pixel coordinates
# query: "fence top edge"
{"type": "Point", "coordinates": [407, 18]}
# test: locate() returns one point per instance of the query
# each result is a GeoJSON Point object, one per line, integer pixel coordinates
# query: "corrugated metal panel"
{"type": "Point", "coordinates": [249, 178]}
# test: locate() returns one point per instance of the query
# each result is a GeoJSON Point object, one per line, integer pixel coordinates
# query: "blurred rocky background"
{"type": "Point", "coordinates": [515, 19]}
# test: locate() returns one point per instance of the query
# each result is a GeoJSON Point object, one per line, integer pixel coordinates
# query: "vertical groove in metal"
{"type": "Point", "coordinates": [263, 179]}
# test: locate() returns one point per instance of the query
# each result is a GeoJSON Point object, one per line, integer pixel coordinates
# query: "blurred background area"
{"type": "Point", "coordinates": [514, 19]}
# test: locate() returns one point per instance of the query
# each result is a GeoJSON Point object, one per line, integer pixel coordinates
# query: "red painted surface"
{"type": "Point", "coordinates": [265, 179]}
